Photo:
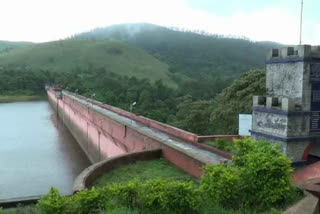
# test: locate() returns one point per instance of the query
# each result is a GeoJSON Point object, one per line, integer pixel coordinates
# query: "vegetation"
{"type": "Point", "coordinates": [6, 46]}
{"type": "Point", "coordinates": [143, 171]}
{"type": "Point", "coordinates": [154, 100]}
{"type": "Point", "coordinates": [258, 181]}
{"type": "Point", "coordinates": [19, 98]}
{"type": "Point", "coordinates": [225, 145]}
{"type": "Point", "coordinates": [259, 177]}
{"type": "Point", "coordinates": [219, 115]}
{"type": "Point", "coordinates": [236, 99]}
{"type": "Point", "coordinates": [66, 55]}
{"type": "Point", "coordinates": [198, 55]}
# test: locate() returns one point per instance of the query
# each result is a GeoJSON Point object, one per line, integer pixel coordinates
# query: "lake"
{"type": "Point", "coordinates": [36, 151]}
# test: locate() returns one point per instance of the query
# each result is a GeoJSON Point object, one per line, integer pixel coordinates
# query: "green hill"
{"type": "Point", "coordinates": [197, 55]}
{"type": "Point", "coordinates": [69, 55]}
{"type": "Point", "coordinates": [6, 46]}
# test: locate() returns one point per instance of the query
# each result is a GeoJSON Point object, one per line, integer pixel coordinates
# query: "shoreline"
{"type": "Point", "coordinates": [20, 98]}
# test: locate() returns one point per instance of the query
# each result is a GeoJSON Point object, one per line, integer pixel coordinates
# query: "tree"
{"type": "Point", "coordinates": [236, 99]}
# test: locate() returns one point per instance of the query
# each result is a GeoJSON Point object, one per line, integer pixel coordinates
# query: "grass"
{"type": "Point", "coordinates": [29, 209]}
{"type": "Point", "coordinates": [143, 171]}
{"type": "Point", "coordinates": [20, 98]}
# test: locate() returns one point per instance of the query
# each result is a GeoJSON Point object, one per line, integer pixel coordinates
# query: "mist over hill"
{"type": "Point", "coordinates": [199, 56]}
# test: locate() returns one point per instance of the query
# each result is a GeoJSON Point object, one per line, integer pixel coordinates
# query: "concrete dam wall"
{"type": "Point", "coordinates": [104, 132]}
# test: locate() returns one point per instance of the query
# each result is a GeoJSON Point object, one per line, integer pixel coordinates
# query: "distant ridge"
{"type": "Point", "coordinates": [199, 56]}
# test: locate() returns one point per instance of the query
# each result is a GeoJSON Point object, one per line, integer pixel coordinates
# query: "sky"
{"type": "Point", "coordinates": [257, 20]}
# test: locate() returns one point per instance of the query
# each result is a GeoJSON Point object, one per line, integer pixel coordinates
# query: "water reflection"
{"type": "Point", "coordinates": [36, 151]}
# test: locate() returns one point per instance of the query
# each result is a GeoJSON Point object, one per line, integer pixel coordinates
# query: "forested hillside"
{"type": "Point", "coordinates": [200, 56]}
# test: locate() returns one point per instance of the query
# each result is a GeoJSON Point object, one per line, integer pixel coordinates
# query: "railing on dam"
{"type": "Point", "coordinates": [104, 131]}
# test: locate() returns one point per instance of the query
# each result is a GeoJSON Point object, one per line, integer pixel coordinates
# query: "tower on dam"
{"type": "Point", "coordinates": [290, 113]}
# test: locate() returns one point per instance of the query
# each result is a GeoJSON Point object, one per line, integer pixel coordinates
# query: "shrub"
{"type": "Point", "coordinates": [161, 196]}
{"type": "Point", "coordinates": [259, 177]}
{"type": "Point", "coordinates": [221, 184]}
{"type": "Point", "coordinates": [182, 197]}
{"type": "Point", "coordinates": [54, 203]}
{"type": "Point", "coordinates": [153, 196]}
{"type": "Point", "coordinates": [89, 201]}
{"type": "Point", "coordinates": [265, 171]}
{"type": "Point", "coordinates": [126, 194]}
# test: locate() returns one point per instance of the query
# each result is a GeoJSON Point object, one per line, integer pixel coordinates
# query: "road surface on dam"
{"type": "Point", "coordinates": [36, 151]}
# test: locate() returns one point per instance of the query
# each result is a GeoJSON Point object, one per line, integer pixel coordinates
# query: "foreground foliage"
{"type": "Point", "coordinates": [259, 176]}
{"type": "Point", "coordinates": [258, 181]}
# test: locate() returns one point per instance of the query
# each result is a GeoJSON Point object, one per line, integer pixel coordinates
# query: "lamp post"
{"type": "Point", "coordinates": [131, 106]}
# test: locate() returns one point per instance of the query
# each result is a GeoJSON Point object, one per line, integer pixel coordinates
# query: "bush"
{"type": "Point", "coordinates": [153, 196]}
{"type": "Point", "coordinates": [126, 194]}
{"type": "Point", "coordinates": [265, 171]}
{"type": "Point", "coordinates": [259, 177]}
{"type": "Point", "coordinates": [90, 201]}
{"type": "Point", "coordinates": [161, 196]}
{"type": "Point", "coordinates": [54, 203]}
{"type": "Point", "coordinates": [182, 197]}
{"type": "Point", "coordinates": [221, 184]}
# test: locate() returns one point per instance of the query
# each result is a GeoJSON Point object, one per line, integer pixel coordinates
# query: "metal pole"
{"type": "Point", "coordinates": [131, 106]}
{"type": "Point", "coordinates": [131, 113]}
{"type": "Point", "coordinates": [301, 21]}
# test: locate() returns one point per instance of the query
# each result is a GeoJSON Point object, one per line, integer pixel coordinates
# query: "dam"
{"type": "Point", "coordinates": [37, 151]}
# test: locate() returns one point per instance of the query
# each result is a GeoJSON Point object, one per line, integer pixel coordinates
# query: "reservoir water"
{"type": "Point", "coordinates": [36, 151]}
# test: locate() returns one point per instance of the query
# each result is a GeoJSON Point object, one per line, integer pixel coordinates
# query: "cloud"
{"type": "Point", "coordinates": [44, 20]}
